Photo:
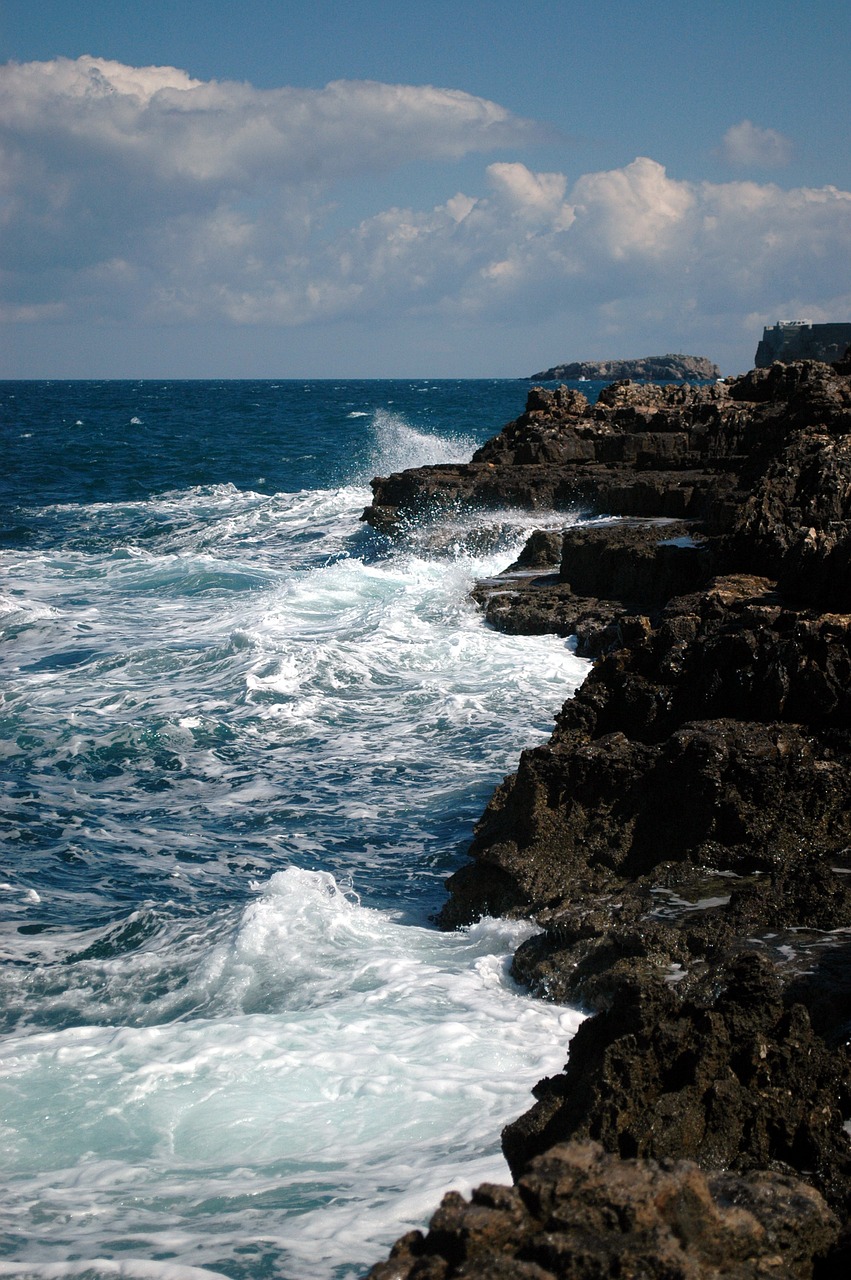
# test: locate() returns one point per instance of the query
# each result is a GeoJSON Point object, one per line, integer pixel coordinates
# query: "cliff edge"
{"type": "Point", "coordinates": [683, 841]}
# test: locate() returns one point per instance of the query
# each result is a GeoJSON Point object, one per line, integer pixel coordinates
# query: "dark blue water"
{"type": "Point", "coordinates": [116, 441]}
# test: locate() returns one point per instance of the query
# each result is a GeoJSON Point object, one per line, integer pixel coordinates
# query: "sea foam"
{"type": "Point", "coordinates": [244, 742]}
{"type": "Point", "coordinates": [336, 1042]}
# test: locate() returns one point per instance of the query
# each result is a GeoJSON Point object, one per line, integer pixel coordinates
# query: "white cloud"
{"type": "Point", "coordinates": [174, 127]}
{"type": "Point", "coordinates": [102, 159]}
{"type": "Point", "coordinates": [139, 192]}
{"type": "Point", "coordinates": [636, 240]}
{"type": "Point", "coordinates": [531, 195]}
{"type": "Point", "coordinates": [746, 146]}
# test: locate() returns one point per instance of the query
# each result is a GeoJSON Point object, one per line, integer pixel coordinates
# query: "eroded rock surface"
{"type": "Point", "coordinates": [578, 1212]}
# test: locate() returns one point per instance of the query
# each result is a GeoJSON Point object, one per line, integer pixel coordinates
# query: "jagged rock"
{"type": "Point", "coordinates": [684, 838]}
{"type": "Point", "coordinates": [734, 1080]}
{"type": "Point", "coordinates": [607, 574]}
{"type": "Point", "coordinates": [632, 785]}
{"type": "Point", "coordinates": [764, 460]}
{"type": "Point", "coordinates": [578, 1213]}
{"type": "Point", "coordinates": [564, 454]}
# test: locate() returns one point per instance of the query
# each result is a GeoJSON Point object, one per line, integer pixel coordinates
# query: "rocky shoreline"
{"type": "Point", "coordinates": [684, 838]}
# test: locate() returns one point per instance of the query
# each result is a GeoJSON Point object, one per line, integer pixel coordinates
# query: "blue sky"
{"type": "Point", "coordinates": [483, 189]}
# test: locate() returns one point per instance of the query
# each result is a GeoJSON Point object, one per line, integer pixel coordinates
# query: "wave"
{"type": "Point", "coordinates": [244, 742]}
{"type": "Point", "coordinates": [337, 1039]}
{"type": "Point", "coordinates": [157, 682]}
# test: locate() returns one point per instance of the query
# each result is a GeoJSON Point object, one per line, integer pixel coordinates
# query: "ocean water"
{"type": "Point", "coordinates": [243, 741]}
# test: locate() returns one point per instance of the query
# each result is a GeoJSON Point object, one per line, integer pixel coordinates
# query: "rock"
{"type": "Point", "coordinates": [683, 841]}
{"type": "Point", "coordinates": [606, 574]}
{"type": "Point", "coordinates": [648, 368]}
{"type": "Point", "coordinates": [543, 550]}
{"type": "Point", "coordinates": [643, 451]}
{"type": "Point", "coordinates": [634, 787]}
{"type": "Point", "coordinates": [578, 1212]}
{"type": "Point", "coordinates": [762, 461]}
{"type": "Point", "coordinates": [733, 1079]}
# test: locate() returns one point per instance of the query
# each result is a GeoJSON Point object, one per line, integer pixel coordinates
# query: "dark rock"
{"type": "Point", "coordinates": [735, 1080]}
{"type": "Point", "coordinates": [633, 786]}
{"type": "Point", "coordinates": [639, 564]}
{"type": "Point", "coordinates": [641, 450]}
{"type": "Point", "coordinates": [534, 604]}
{"type": "Point", "coordinates": [608, 574]}
{"type": "Point", "coordinates": [684, 838]}
{"type": "Point", "coordinates": [543, 550]}
{"type": "Point", "coordinates": [762, 460]}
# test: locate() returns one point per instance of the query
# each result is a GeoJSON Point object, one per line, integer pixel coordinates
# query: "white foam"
{"type": "Point", "coordinates": [280, 1082]}
{"type": "Point", "coordinates": [103, 1268]}
{"type": "Point", "coordinates": [385, 1062]}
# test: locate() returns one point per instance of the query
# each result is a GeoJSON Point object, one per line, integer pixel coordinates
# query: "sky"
{"type": "Point", "coordinates": [200, 188]}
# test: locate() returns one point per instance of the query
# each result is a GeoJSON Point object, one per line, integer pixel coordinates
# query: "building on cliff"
{"type": "Point", "coordinates": [800, 340]}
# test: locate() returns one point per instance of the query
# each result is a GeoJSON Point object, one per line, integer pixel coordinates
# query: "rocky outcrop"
{"type": "Point", "coordinates": [669, 368]}
{"type": "Point", "coordinates": [673, 452]}
{"type": "Point", "coordinates": [730, 1076]}
{"type": "Point", "coordinates": [578, 1212]}
{"type": "Point", "coordinates": [684, 838]}
{"type": "Point", "coordinates": [564, 454]}
{"type": "Point", "coordinates": [718, 739]}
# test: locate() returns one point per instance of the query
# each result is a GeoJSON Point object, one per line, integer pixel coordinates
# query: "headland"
{"type": "Point", "coordinates": [683, 841]}
{"type": "Point", "coordinates": [669, 368]}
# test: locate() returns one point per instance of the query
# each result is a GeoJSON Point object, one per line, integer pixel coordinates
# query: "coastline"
{"type": "Point", "coordinates": [684, 839]}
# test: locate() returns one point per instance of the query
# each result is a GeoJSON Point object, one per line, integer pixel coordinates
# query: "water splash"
{"type": "Point", "coordinates": [398, 445]}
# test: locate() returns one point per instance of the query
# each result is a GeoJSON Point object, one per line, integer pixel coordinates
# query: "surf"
{"type": "Point", "coordinates": [244, 741]}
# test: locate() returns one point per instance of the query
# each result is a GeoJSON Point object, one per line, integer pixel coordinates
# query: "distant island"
{"type": "Point", "coordinates": [669, 368]}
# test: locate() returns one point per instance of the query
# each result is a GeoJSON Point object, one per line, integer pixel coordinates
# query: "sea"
{"type": "Point", "coordinates": [243, 741]}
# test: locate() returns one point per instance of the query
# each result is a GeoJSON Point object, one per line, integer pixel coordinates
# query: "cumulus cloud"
{"type": "Point", "coordinates": [143, 192]}
{"type": "Point", "coordinates": [178, 128]}
{"type": "Point", "coordinates": [746, 146]}
{"type": "Point", "coordinates": [532, 195]}
{"type": "Point", "coordinates": [632, 236]}
{"type": "Point", "coordinates": [104, 161]}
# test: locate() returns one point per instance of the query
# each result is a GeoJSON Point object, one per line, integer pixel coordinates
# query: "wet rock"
{"type": "Point", "coordinates": [632, 785]}
{"type": "Point", "coordinates": [762, 460]}
{"type": "Point", "coordinates": [607, 574]}
{"type": "Point", "coordinates": [733, 1079]}
{"type": "Point", "coordinates": [641, 450]}
{"type": "Point", "coordinates": [683, 840]}
{"type": "Point", "coordinates": [543, 550]}
{"type": "Point", "coordinates": [643, 565]}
